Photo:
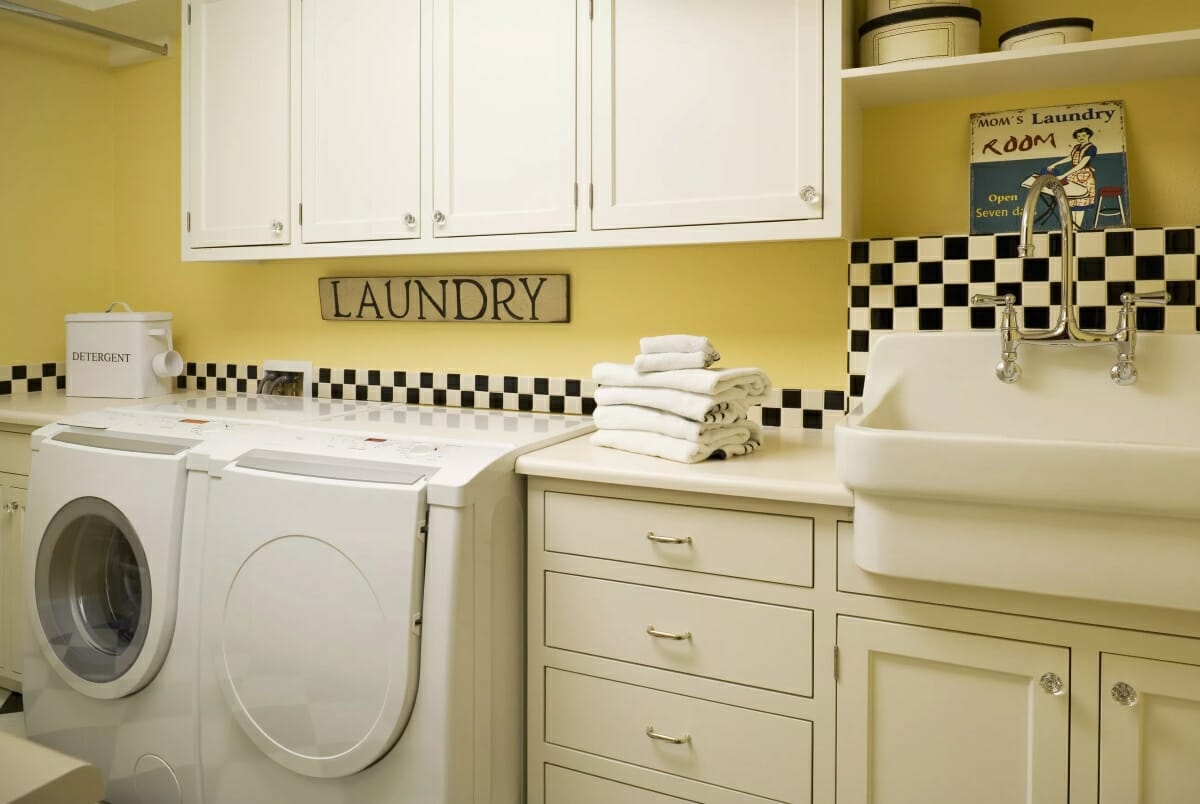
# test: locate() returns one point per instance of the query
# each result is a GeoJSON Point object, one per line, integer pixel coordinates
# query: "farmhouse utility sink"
{"type": "Point", "coordinates": [1063, 483]}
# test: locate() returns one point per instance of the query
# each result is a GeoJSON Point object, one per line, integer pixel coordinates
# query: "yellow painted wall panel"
{"type": "Point", "coordinates": [56, 182]}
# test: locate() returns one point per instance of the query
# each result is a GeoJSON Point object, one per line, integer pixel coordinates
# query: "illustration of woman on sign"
{"type": "Point", "coordinates": [1079, 181]}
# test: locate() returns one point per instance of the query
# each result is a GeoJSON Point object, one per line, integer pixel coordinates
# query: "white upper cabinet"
{"type": "Point", "coordinates": [706, 111]}
{"type": "Point", "coordinates": [361, 121]}
{"type": "Point", "coordinates": [238, 123]}
{"type": "Point", "coordinates": [504, 117]}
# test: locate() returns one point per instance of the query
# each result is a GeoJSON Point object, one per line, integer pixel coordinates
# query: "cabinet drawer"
{"type": "Point", "coordinates": [756, 644]}
{"type": "Point", "coordinates": [15, 455]}
{"type": "Point", "coordinates": [571, 787]}
{"type": "Point", "coordinates": [758, 753]}
{"type": "Point", "coordinates": [740, 544]}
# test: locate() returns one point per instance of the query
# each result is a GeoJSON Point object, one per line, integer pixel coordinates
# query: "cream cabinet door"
{"type": "Point", "coordinates": [706, 111]}
{"type": "Point", "coordinates": [238, 85]}
{"type": "Point", "coordinates": [941, 717]}
{"type": "Point", "coordinates": [1149, 731]}
{"type": "Point", "coordinates": [504, 117]}
{"type": "Point", "coordinates": [12, 518]}
{"type": "Point", "coordinates": [361, 130]}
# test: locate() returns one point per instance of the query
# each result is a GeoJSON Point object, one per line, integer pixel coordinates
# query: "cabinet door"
{"type": "Point", "coordinates": [941, 717]}
{"type": "Point", "coordinates": [705, 111]}
{"type": "Point", "coordinates": [1149, 731]}
{"type": "Point", "coordinates": [12, 519]}
{"type": "Point", "coordinates": [239, 65]}
{"type": "Point", "coordinates": [504, 117]}
{"type": "Point", "coordinates": [361, 132]}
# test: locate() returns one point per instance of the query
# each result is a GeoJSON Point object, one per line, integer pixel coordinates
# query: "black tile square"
{"type": "Point", "coordinates": [252, 372]}
{"type": "Point", "coordinates": [791, 398]}
{"type": "Point", "coordinates": [1015, 288]}
{"type": "Point", "coordinates": [770, 417]}
{"type": "Point", "coordinates": [1113, 291]}
{"type": "Point", "coordinates": [241, 386]}
{"type": "Point", "coordinates": [467, 399]}
{"type": "Point", "coordinates": [1151, 319]}
{"type": "Point", "coordinates": [1182, 293]}
{"type": "Point", "coordinates": [930, 319]}
{"type": "Point", "coordinates": [1036, 318]}
{"type": "Point", "coordinates": [983, 318]}
{"type": "Point", "coordinates": [1055, 293]}
{"type": "Point", "coordinates": [860, 296]}
{"type": "Point", "coordinates": [34, 385]}
{"type": "Point", "coordinates": [835, 400]}
{"type": "Point", "coordinates": [481, 382]}
{"type": "Point", "coordinates": [954, 296]}
{"type": "Point", "coordinates": [374, 378]}
{"type": "Point", "coordinates": [573, 388]}
{"type": "Point", "coordinates": [496, 401]}
{"type": "Point", "coordinates": [1092, 317]}
{"type": "Point", "coordinates": [221, 383]}
{"type": "Point", "coordinates": [1118, 244]}
{"type": "Point", "coordinates": [335, 390]}
{"type": "Point", "coordinates": [454, 381]}
{"type": "Point", "coordinates": [558, 404]}
{"type": "Point", "coordinates": [510, 385]}
{"type": "Point", "coordinates": [210, 369]}
{"type": "Point", "coordinates": [813, 419]}
{"type": "Point", "coordinates": [426, 379]}
{"type": "Point", "coordinates": [589, 406]}
{"type": "Point", "coordinates": [541, 385]}
{"type": "Point", "coordinates": [881, 273]}
{"type": "Point", "coordinates": [5, 387]}
{"type": "Point", "coordinates": [905, 251]}
{"type": "Point", "coordinates": [412, 396]}
{"type": "Point", "coordinates": [1180, 241]}
{"type": "Point", "coordinates": [387, 394]}
{"type": "Point", "coordinates": [983, 270]}
{"type": "Point", "coordinates": [1090, 269]}
{"type": "Point", "coordinates": [360, 393]}
{"type": "Point", "coordinates": [20, 372]}
{"type": "Point", "coordinates": [60, 382]}
{"type": "Point", "coordinates": [882, 318]}
{"type": "Point", "coordinates": [1151, 266]}
{"type": "Point", "coordinates": [954, 248]}
{"type": "Point", "coordinates": [1055, 244]}
{"type": "Point", "coordinates": [860, 341]}
{"type": "Point", "coordinates": [930, 273]}
{"type": "Point", "coordinates": [858, 384]}
{"type": "Point", "coordinates": [1007, 246]}
{"type": "Point", "coordinates": [349, 376]}
{"type": "Point", "coordinates": [48, 370]}
{"type": "Point", "coordinates": [230, 370]}
{"type": "Point", "coordinates": [524, 401]}
{"type": "Point", "coordinates": [190, 370]}
{"type": "Point", "coordinates": [439, 397]}
{"type": "Point", "coordinates": [860, 252]}
{"type": "Point", "coordinates": [181, 383]}
{"type": "Point", "coordinates": [399, 379]}
{"type": "Point", "coordinates": [906, 296]}
{"type": "Point", "coordinates": [1036, 269]}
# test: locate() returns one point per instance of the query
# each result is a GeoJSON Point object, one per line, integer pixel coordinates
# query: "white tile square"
{"type": "Point", "coordinates": [981, 247]}
{"type": "Point", "coordinates": [882, 251]}
{"type": "Point", "coordinates": [1181, 267]}
{"type": "Point", "coordinates": [1036, 294]}
{"type": "Point", "coordinates": [930, 295]}
{"type": "Point", "coordinates": [812, 399]}
{"type": "Point", "coordinates": [955, 272]}
{"type": "Point", "coordinates": [1181, 320]}
{"type": "Point", "coordinates": [860, 274]}
{"type": "Point", "coordinates": [1009, 270]}
{"type": "Point", "coordinates": [881, 296]}
{"type": "Point", "coordinates": [1149, 241]}
{"type": "Point", "coordinates": [1089, 244]}
{"type": "Point", "coordinates": [930, 249]}
{"type": "Point", "coordinates": [956, 319]}
{"type": "Point", "coordinates": [860, 318]}
{"type": "Point", "coordinates": [1120, 269]}
{"type": "Point", "coordinates": [1091, 294]}
{"type": "Point", "coordinates": [791, 418]}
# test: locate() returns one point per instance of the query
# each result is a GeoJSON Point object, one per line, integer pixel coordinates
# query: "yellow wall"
{"type": "Point", "coordinates": [916, 157]}
{"type": "Point", "coordinates": [56, 179]}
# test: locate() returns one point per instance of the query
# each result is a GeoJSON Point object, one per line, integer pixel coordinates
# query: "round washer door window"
{"type": "Point", "coordinates": [92, 588]}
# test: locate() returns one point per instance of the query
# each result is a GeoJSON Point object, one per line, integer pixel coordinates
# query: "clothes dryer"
{"type": "Point", "coordinates": [361, 610]}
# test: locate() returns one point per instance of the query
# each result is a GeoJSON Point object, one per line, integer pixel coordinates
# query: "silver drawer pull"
{"type": "Point", "coordinates": [668, 539]}
{"type": "Point", "coordinates": [650, 629]}
{"type": "Point", "coordinates": [653, 735]}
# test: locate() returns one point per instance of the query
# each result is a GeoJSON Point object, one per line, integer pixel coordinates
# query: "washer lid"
{"type": "Point", "coordinates": [314, 586]}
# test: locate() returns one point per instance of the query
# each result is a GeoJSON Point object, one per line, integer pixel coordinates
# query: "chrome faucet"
{"type": "Point", "coordinates": [1066, 330]}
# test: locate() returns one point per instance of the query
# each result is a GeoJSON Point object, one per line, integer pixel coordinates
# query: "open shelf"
{"type": "Point", "coordinates": [1098, 62]}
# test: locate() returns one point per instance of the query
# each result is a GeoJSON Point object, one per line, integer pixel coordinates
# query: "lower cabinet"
{"type": "Point", "coordinates": [12, 517]}
{"type": "Point", "coordinates": [1149, 731]}
{"type": "Point", "coordinates": [940, 717]}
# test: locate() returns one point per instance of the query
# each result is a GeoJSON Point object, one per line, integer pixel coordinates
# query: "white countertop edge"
{"type": "Point", "coordinates": [792, 466]}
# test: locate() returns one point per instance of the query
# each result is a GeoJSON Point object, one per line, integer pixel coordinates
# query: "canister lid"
{"type": "Point", "coordinates": [917, 14]}
{"type": "Point", "coordinates": [118, 317]}
{"type": "Point", "coordinates": [1043, 25]}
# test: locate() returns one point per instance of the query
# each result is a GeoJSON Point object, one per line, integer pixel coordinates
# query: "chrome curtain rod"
{"type": "Point", "coordinates": [54, 19]}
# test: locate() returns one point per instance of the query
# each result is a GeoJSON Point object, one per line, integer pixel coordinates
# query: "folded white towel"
{"type": "Point", "coordinates": [676, 343]}
{"type": "Point", "coordinates": [668, 361]}
{"type": "Point", "coordinates": [633, 417]}
{"type": "Point", "coordinates": [698, 381]}
{"type": "Point", "coordinates": [720, 408]}
{"type": "Point", "coordinates": [675, 449]}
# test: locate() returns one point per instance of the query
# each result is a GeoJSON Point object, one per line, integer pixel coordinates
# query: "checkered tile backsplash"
{"type": "Point", "coordinates": [925, 284]}
{"type": "Point", "coordinates": [32, 377]}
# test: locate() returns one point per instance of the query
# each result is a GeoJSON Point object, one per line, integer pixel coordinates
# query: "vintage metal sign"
{"type": "Point", "coordinates": [520, 298]}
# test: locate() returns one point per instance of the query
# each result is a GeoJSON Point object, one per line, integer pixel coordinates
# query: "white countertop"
{"type": "Point", "coordinates": [31, 411]}
{"type": "Point", "coordinates": [793, 466]}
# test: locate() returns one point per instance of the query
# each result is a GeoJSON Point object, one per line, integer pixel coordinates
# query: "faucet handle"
{"type": "Point", "coordinates": [980, 300]}
{"type": "Point", "coordinates": [1155, 297]}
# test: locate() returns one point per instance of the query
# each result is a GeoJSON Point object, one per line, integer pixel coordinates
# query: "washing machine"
{"type": "Point", "coordinates": [361, 609]}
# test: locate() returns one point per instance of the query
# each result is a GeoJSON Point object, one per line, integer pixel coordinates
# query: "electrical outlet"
{"type": "Point", "coordinates": [286, 378]}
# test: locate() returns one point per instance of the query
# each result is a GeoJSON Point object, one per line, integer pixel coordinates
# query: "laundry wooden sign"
{"type": "Point", "coordinates": [519, 298]}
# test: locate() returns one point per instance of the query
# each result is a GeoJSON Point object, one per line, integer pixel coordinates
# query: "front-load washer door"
{"type": "Point", "coordinates": [93, 590]}
{"type": "Point", "coordinates": [312, 586]}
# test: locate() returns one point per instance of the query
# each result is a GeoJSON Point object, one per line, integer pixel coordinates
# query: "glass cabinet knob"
{"type": "Point", "coordinates": [410, 220]}
{"type": "Point", "coordinates": [1052, 683]}
{"type": "Point", "coordinates": [809, 194]}
{"type": "Point", "coordinates": [277, 227]}
{"type": "Point", "coordinates": [438, 217]}
{"type": "Point", "coordinates": [1124, 694]}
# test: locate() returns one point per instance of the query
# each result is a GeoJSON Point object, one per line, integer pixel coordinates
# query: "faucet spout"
{"type": "Point", "coordinates": [1065, 325]}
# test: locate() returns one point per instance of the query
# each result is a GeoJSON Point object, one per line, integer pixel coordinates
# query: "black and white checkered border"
{"type": "Point", "coordinates": [32, 377]}
{"type": "Point", "coordinates": [925, 283]}
{"type": "Point", "coordinates": [239, 378]}
{"type": "Point", "coordinates": [802, 408]}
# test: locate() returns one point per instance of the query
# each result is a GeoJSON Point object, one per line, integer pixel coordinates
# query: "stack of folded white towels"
{"type": "Point", "coordinates": [669, 403]}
